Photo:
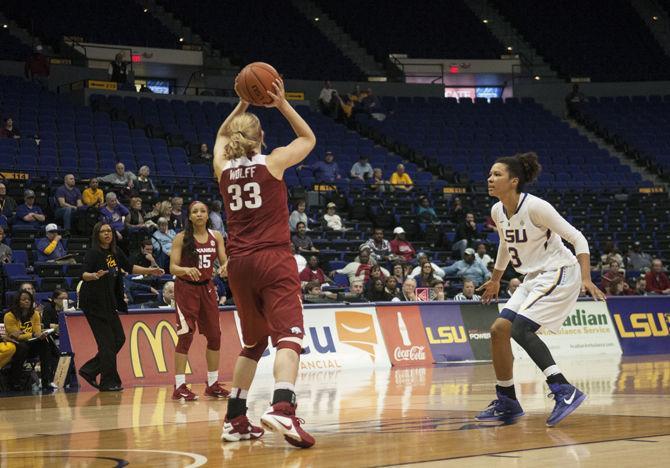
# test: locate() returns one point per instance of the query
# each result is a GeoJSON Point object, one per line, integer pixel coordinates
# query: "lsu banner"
{"type": "Point", "coordinates": [147, 357]}
{"type": "Point", "coordinates": [642, 323]}
{"type": "Point", "coordinates": [405, 337]}
{"type": "Point", "coordinates": [446, 332]}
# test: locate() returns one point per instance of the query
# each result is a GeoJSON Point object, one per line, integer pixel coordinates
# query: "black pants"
{"type": "Point", "coordinates": [27, 350]}
{"type": "Point", "coordinates": [109, 336]}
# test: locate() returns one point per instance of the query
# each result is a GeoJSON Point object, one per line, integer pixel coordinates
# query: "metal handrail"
{"type": "Point", "coordinates": [75, 42]}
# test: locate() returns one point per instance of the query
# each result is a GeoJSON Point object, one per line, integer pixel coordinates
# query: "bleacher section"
{"type": "Point", "coordinates": [605, 40]}
{"type": "Point", "coordinates": [274, 32]}
{"type": "Point", "coordinates": [118, 22]}
{"type": "Point", "coordinates": [419, 29]}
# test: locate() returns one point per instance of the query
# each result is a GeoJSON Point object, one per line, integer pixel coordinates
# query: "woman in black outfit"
{"type": "Point", "coordinates": [101, 297]}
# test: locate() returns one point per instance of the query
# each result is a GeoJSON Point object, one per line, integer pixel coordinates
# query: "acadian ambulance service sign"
{"type": "Point", "coordinates": [587, 330]}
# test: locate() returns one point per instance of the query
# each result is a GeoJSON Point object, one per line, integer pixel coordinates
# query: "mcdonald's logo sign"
{"type": "Point", "coordinates": [154, 339]}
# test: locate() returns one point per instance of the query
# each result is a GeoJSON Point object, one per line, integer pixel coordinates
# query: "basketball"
{"type": "Point", "coordinates": [254, 81]}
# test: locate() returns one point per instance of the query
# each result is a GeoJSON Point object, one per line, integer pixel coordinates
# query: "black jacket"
{"type": "Point", "coordinates": [104, 296]}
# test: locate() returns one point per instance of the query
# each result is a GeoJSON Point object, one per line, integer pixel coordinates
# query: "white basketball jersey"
{"type": "Point", "coordinates": [532, 236]}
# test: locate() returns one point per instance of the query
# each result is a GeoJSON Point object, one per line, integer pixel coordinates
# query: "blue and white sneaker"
{"type": "Point", "coordinates": [568, 398]}
{"type": "Point", "coordinates": [503, 409]}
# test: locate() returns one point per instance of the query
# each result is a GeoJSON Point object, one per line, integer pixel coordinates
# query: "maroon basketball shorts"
{"type": "Point", "coordinates": [197, 304]}
{"type": "Point", "coordinates": [266, 290]}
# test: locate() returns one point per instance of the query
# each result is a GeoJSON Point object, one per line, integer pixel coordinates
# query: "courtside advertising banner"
{"type": "Point", "coordinates": [642, 323]}
{"type": "Point", "coordinates": [446, 332]}
{"type": "Point", "coordinates": [337, 339]}
{"type": "Point", "coordinates": [478, 319]}
{"type": "Point", "coordinates": [147, 357]}
{"type": "Point", "coordinates": [588, 329]}
{"type": "Point", "coordinates": [404, 335]}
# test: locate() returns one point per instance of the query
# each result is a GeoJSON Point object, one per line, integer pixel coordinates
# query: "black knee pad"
{"type": "Point", "coordinates": [523, 330]}
{"type": "Point", "coordinates": [524, 333]}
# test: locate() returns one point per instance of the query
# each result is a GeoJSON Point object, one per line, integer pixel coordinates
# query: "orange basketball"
{"type": "Point", "coordinates": [254, 81]}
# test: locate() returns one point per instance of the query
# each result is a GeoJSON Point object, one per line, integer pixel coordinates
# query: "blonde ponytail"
{"type": "Point", "coordinates": [244, 136]}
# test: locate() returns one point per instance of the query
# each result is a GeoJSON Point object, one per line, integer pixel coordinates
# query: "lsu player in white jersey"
{"type": "Point", "coordinates": [531, 233]}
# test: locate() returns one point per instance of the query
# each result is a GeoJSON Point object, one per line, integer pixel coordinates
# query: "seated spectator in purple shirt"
{"type": "Point", "coordinates": [326, 170]}
{"type": "Point", "coordinates": [69, 201]}
{"type": "Point", "coordinates": [113, 213]}
{"type": "Point", "coordinates": [29, 214]}
{"type": "Point", "coordinates": [50, 248]}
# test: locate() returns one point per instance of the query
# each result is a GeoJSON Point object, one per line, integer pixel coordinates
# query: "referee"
{"type": "Point", "coordinates": [101, 297]}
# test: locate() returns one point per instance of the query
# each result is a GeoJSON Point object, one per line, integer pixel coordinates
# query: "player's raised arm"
{"type": "Point", "coordinates": [222, 140]}
{"type": "Point", "coordinates": [286, 156]}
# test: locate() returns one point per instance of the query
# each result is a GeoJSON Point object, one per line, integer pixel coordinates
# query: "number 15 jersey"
{"type": "Point", "coordinates": [256, 206]}
{"type": "Point", "coordinates": [531, 237]}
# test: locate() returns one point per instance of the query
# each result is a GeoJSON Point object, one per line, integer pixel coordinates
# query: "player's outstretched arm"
{"type": "Point", "coordinates": [175, 259]}
{"type": "Point", "coordinates": [221, 141]}
{"type": "Point", "coordinates": [286, 156]}
{"type": "Point", "coordinates": [221, 253]}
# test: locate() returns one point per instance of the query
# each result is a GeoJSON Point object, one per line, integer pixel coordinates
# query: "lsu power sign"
{"type": "Point", "coordinates": [405, 337]}
{"type": "Point", "coordinates": [147, 357]}
{"type": "Point", "coordinates": [642, 323]}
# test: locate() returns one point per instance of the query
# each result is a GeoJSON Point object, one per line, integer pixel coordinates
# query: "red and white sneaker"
{"type": "Point", "coordinates": [240, 428]}
{"type": "Point", "coordinates": [281, 418]}
{"type": "Point", "coordinates": [216, 391]}
{"type": "Point", "coordinates": [184, 393]}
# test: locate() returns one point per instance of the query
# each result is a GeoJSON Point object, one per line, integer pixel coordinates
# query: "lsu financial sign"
{"type": "Point", "coordinates": [642, 323]}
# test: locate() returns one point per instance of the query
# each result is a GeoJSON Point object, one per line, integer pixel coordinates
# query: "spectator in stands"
{"type": "Point", "coordinates": [358, 270]}
{"type": "Point", "coordinates": [22, 324]}
{"type": "Point", "coordinates": [356, 289]}
{"type": "Point", "coordinates": [377, 292]}
{"type": "Point", "coordinates": [408, 292]}
{"type": "Point", "coordinates": [400, 180]}
{"type": "Point", "coordinates": [5, 250]}
{"type": "Point", "coordinates": [178, 215]}
{"type": "Point", "coordinates": [312, 272]}
{"type": "Point", "coordinates": [573, 101]}
{"type": "Point", "coordinates": [366, 248]}
{"type": "Point", "coordinates": [657, 280]}
{"type": "Point", "coordinates": [314, 295]}
{"type": "Point", "coordinates": [145, 257]}
{"type": "Point", "coordinates": [69, 200]}
{"type": "Point", "coordinates": [426, 278]}
{"type": "Point", "coordinates": [37, 66]}
{"type": "Point", "coordinates": [50, 248]}
{"type": "Point", "coordinates": [118, 69]}
{"type": "Point", "coordinates": [328, 102]}
{"type": "Point", "coordinates": [302, 242]}
{"type": "Point", "coordinates": [610, 252]}
{"type": "Point", "coordinates": [425, 212]}
{"type": "Point", "coordinates": [438, 293]}
{"type": "Point", "coordinates": [512, 286]}
{"type": "Point", "coordinates": [640, 287]}
{"type": "Point", "coordinates": [614, 273]}
{"type": "Point", "coordinates": [401, 247]}
{"type": "Point", "coordinates": [482, 256]}
{"type": "Point", "coordinates": [370, 104]}
{"type": "Point", "coordinates": [331, 220]}
{"type": "Point", "coordinates": [380, 247]}
{"type": "Point", "coordinates": [378, 184]}
{"type": "Point", "coordinates": [617, 287]}
{"type": "Point", "coordinates": [326, 170]}
{"type": "Point", "coordinates": [162, 242]}
{"type": "Point", "coordinates": [468, 293]}
{"type": "Point", "coordinates": [204, 156]}
{"type": "Point", "coordinates": [7, 349]}
{"type": "Point", "coordinates": [399, 272]}
{"type": "Point", "coordinates": [466, 233]}
{"type": "Point", "coordinates": [299, 259]}
{"type": "Point", "coordinates": [457, 211]}
{"type": "Point", "coordinates": [391, 285]}
{"type": "Point", "coordinates": [638, 260]}
{"type": "Point", "coordinates": [215, 218]}
{"type": "Point", "coordinates": [298, 216]}
{"type": "Point", "coordinates": [135, 221]}
{"type": "Point", "coordinates": [58, 303]}
{"type": "Point", "coordinates": [361, 169]}
{"type": "Point", "coordinates": [28, 213]}
{"type": "Point", "coordinates": [161, 210]}
{"type": "Point", "coordinates": [93, 196]}
{"type": "Point", "coordinates": [468, 268]}
{"type": "Point", "coordinates": [114, 213]}
{"type": "Point", "coordinates": [144, 184]}
{"type": "Point", "coordinates": [165, 299]}
{"type": "Point", "coordinates": [134, 286]}
{"type": "Point", "coordinates": [7, 203]}
{"type": "Point", "coordinates": [375, 273]}
{"type": "Point", "coordinates": [9, 130]}
{"type": "Point", "coordinates": [422, 258]}
{"type": "Point", "coordinates": [120, 178]}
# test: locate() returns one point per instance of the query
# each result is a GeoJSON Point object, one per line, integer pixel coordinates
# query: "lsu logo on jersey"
{"type": "Point", "coordinates": [515, 236]}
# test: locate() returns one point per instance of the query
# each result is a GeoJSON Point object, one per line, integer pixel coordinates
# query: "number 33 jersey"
{"type": "Point", "coordinates": [531, 237]}
{"type": "Point", "coordinates": [256, 206]}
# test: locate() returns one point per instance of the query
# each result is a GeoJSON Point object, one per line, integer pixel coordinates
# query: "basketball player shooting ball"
{"type": "Point", "coordinates": [531, 233]}
{"type": "Point", "coordinates": [262, 272]}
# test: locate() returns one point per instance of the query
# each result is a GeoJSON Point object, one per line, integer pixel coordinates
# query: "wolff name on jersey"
{"type": "Point", "coordinates": [242, 173]}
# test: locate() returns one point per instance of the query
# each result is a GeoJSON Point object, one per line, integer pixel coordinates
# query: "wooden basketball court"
{"type": "Point", "coordinates": [398, 417]}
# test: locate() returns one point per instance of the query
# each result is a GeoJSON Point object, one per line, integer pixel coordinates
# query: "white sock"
{"type": "Point", "coordinates": [179, 380]}
{"type": "Point", "coordinates": [505, 383]}
{"type": "Point", "coordinates": [239, 393]}
{"type": "Point", "coordinates": [212, 377]}
{"type": "Point", "coordinates": [284, 386]}
{"type": "Point", "coordinates": [551, 370]}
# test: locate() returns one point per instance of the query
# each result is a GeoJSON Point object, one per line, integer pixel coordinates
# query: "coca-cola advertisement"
{"type": "Point", "coordinates": [404, 335]}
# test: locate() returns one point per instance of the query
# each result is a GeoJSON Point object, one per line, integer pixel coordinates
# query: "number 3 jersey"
{"type": "Point", "coordinates": [256, 206]}
{"type": "Point", "coordinates": [207, 255]}
{"type": "Point", "coordinates": [531, 237]}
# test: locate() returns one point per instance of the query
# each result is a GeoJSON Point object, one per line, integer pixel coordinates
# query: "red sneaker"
{"type": "Point", "coordinates": [184, 393]}
{"type": "Point", "coordinates": [216, 391]}
{"type": "Point", "coordinates": [240, 428]}
{"type": "Point", "coordinates": [281, 418]}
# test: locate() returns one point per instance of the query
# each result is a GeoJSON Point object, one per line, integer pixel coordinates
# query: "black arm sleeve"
{"type": "Point", "coordinates": [92, 261]}
{"type": "Point", "coordinates": [124, 263]}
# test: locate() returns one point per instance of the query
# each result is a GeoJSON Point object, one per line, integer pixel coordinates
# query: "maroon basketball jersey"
{"type": "Point", "coordinates": [207, 255]}
{"type": "Point", "coordinates": [256, 206]}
